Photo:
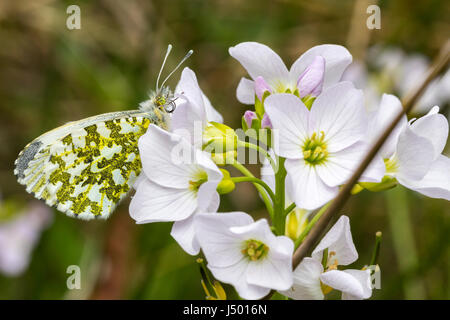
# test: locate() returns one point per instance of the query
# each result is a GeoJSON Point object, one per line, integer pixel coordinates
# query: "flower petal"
{"type": "Point", "coordinates": [338, 240]}
{"type": "Point", "coordinates": [245, 91]}
{"type": "Point", "coordinates": [305, 187]}
{"type": "Point", "coordinates": [188, 123]}
{"type": "Point", "coordinates": [160, 163]}
{"type": "Point", "coordinates": [260, 60]}
{"type": "Point", "coordinates": [363, 276]}
{"type": "Point", "coordinates": [337, 58]}
{"type": "Point", "coordinates": [390, 107]}
{"type": "Point", "coordinates": [415, 155]}
{"type": "Point", "coordinates": [184, 233]}
{"type": "Point", "coordinates": [189, 88]}
{"type": "Point", "coordinates": [211, 113]}
{"type": "Point", "coordinates": [341, 165]}
{"type": "Point", "coordinates": [221, 247]}
{"type": "Point", "coordinates": [153, 203]}
{"type": "Point", "coordinates": [306, 281]}
{"type": "Point", "coordinates": [339, 112]}
{"type": "Point", "coordinates": [436, 182]}
{"type": "Point", "coordinates": [433, 126]}
{"type": "Point", "coordinates": [289, 118]}
{"type": "Point", "coordinates": [346, 282]}
{"type": "Point", "coordinates": [236, 275]}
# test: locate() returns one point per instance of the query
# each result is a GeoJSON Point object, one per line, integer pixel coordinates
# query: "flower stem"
{"type": "Point", "coordinates": [279, 216]}
{"type": "Point", "coordinates": [261, 150]}
{"type": "Point", "coordinates": [290, 208]}
{"type": "Point", "coordinates": [311, 224]}
{"type": "Point", "coordinates": [261, 190]}
{"type": "Point", "coordinates": [255, 180]}
{"type": "Point", "coordinates": [376, 250]}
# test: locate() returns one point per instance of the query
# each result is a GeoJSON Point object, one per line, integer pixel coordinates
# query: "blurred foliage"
{"type": "Point", "coordinates": [50, 75]}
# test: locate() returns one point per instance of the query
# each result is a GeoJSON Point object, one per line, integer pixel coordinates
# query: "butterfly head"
{"type": "Point", "coordinates": [163, 98]}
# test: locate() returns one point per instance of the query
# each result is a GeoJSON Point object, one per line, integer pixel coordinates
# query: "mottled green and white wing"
{"type": "Point", "coordinates": [85, 168]}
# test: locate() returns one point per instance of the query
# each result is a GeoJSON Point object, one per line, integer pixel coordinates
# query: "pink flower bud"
{"type": "Point", "coordinates": [310, 81]}
{"type": "Point", "coordinates": [261, 86]}
{"type": "Point", "coordinates": [265, 122]}
{"type": "Point", "coordinates": [249, 116]}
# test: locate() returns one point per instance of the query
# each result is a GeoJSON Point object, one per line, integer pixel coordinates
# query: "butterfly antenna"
{"type": "Point", "coordinates": [190, 52]}
{"type": "Point", "coordinates": [169, 48]}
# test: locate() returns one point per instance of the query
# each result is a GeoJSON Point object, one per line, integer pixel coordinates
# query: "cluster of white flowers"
{"type": "Point", "coordinates": [323, 131]}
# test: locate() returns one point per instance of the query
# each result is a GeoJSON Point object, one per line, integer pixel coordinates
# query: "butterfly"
{"type": "Point", "coordinates": [85, 168]}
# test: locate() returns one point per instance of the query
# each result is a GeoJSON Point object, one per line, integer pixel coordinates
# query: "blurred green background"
{"type": "Point", "coordinates": [50, 75]}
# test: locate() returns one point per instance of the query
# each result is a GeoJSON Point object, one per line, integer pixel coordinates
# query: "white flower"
{"type": "Point", "coordinates": [413, 151]}
{"type": "Point", "coordinates": [245, 253]}
{"type": "Point", "coordinates": [319, 66]}
{"type": "Point", "coordinates": [322, 146]}
{"type": "Point", "coordinates": [19, 236]}
{"type": "Point", "coordinates": [193, 110]}
{"type": "Point", "coordinates": [312, 281]}
{"type": "Point", "coordinates": [179, 180]}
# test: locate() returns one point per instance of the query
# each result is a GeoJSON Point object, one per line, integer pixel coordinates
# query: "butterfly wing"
{"type": "Point", "coordinates": [85, 168]}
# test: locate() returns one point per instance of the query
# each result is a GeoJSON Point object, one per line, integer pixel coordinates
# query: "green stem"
{"type": "Point", "coordinates": [376, 250]}
{"type": "Point", "coordinates": [311, 224]}
{"type": "Point", "coordinates": [290, 208]}
{"type": "Point", "coordinates": [267, 201]}
{"type": "Point", "coordinates": [279, 218]}
{"type": "Point", "coordinates": [255, 180]}
{"type": "Point", "coordinates": [261, 150]}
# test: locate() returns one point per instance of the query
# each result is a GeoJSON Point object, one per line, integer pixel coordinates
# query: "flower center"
{"type": "Point", "coordinates": [391, 165]}
{"type": "Point", "coordinates": [255, 250]}
{"type": "Point", "coordinates": [198, 179]}
{"type": "Point", "coordinates": [315, 149]}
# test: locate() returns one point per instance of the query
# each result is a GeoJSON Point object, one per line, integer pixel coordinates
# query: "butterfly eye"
{"type": "Point", "coordinates": [170, 107]}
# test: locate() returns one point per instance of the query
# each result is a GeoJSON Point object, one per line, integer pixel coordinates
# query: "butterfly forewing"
{"type": "Point", "coordinates": [85, 168]}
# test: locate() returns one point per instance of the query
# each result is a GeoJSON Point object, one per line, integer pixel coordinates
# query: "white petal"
{"type": "Point", "coordinates": [340, 166]}
{"type": "Point", "coordinates": [221, 247]}
{"type": "Point", "coordinates": [236, 275]}
{"type": "Point", "coordinates": [415, 155]}
{"type": "Point", "coordinates": [245, 91]}
{"type": "Point", "coordinates": [208, 198]}
{"type": "Point", "coordinates": [160, 160]}
{"type": "Point", "coordinates": [337, 58]}
{"type": "Point", "coordinates": [305, 187]}
{"type": "Point", "coordinates": [289, 117]}
{"type": "Point", "coordinates": [187, 122]}
{"type": "Point", "coordinates": [260, 60]}
{"type": "Point", "coordinates": [275, 270]}
{"type": "Point", "coordinates": [306, 281]}
{"type": "Point", "coordinates": [436, 182]}
{"type": "Point", "coordinates": [189, 88]}
{"type": "Point", "coordinates": [339, 112]}
{"type": "Point", "coordinates": [338, 240]}
{"type": "Point", "coordinates": [350, 283]}
{"type": "Point", "coordinates": [390, 107]}
{"type": "Point", "coordinates": [211, 113]}
{"type": "Point", "coordinates": [363, 276]}
{"type": "Point", "coordinates": [184, 233]}
{"type": "Point", "coordinates": [153, 203]}
{"type": "Point", "coordinates": [433, 126]}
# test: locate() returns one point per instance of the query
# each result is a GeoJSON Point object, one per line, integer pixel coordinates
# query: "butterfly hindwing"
{"type": "Point", "coordinates": [85, 168]}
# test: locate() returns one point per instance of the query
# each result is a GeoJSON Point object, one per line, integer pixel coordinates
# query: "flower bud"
{"type": "Point", "coordinates": [386, 183]}
{"type": "Point", "coordinates": [261, 87]}
{"type": "Point", "coordinates": [249, 116]}
{"type": "Point", "coordinates": [222, 159]}
{"type": "Point", "coordinates": [226, 185]}
{"type": "Point", "coordinates": [219, 138]}
{"type": "Point", "coordinates": [296, 222]}
{"type": "Point", "coordinates": [310, 81]}
{"type": "Point", "coordinates": [265, 122]}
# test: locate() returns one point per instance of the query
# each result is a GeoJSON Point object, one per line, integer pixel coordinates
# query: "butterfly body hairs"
{"type": "Point", "coordinates": [85, 168]}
